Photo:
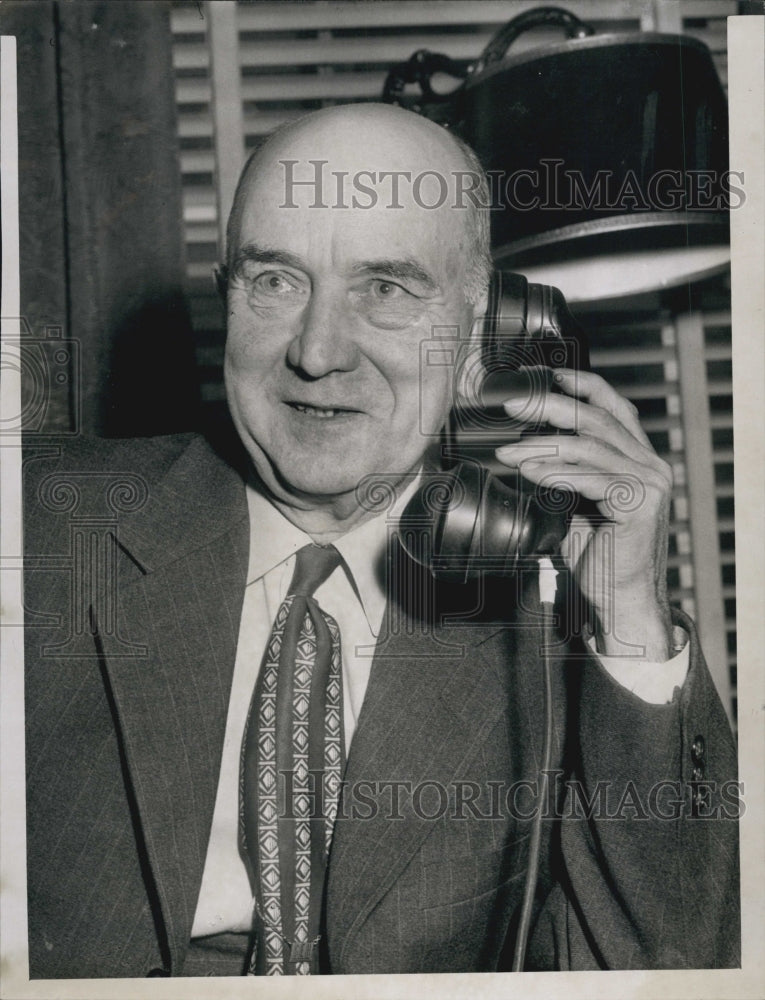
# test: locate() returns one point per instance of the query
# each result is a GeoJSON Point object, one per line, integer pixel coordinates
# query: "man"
{"type": "Point", "coordinates": [147, 851]}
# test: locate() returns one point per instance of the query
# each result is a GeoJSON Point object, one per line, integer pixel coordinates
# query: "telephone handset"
{"type": "Point", "coordinates": [484, 518]}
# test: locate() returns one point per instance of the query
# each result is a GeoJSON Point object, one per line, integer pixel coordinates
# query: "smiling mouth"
{"type": "Point", "coordinates": [321, 412]}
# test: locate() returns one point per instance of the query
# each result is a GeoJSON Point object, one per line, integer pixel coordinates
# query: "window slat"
{"type": "Point", "coordinates": [191, 56]}
{"type": "Point", "coordinates": [392, 14]}
{"type": "Point", "coordinates": [261, 123]}
{"type": "Point", "coordinates": [353, 51]}
{"type": "Point", "coordinates": [195, 125]}
{"type": "Point", "coordinates": [631, 356]}
{"type": "Point", "coordinates": [344, 86]}
{"type": "Point", "coordinates": [189, 90]}
{"type": "Point", "coordinates": [197, 161]}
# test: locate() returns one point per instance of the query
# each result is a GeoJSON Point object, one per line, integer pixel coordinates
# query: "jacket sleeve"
{"type": "Point", "coordinates": [645, 854]}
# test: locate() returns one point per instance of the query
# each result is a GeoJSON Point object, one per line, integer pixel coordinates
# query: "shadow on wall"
{"type": "Point", "coordinates": [151, 384]}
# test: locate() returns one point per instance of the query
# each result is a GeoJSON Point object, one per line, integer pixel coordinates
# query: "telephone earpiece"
{"type": "Point", "coordinates": [483, 518]}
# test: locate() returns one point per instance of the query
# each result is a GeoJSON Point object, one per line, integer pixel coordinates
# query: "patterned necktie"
{"type": "Point", "coordinates": [292, 764]}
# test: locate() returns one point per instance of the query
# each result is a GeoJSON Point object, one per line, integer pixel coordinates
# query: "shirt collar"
{"type": "Point", "coordinates": [273, 539]}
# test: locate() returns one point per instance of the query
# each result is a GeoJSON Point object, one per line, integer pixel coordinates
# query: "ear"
{"type": "Point", "coordinates": [481, 307]}
{"type": "Point", "coordinates": [480, 317]}
{"type": "Point", "coordinates": [220, 277]}
{"type": "Point", "coordinates": [470, 371]}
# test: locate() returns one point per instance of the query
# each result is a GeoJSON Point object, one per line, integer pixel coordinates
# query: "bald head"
{"type": "Point", "coordinates": [372, 156]}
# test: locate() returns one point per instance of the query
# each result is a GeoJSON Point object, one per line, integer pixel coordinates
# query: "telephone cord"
{"type": "Point", "coordinates": [547, 574]}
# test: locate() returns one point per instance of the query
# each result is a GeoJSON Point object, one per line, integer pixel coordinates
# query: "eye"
{"type": "Point", "coordinates": [387, 290]}
{"type": "Point", "coordinates": [386, 304]}
{"type": "Point", "coordinates": [273, 284]}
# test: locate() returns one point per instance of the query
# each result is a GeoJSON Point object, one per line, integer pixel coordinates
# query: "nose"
{"type": "Point", "coordinates": [324, 342]}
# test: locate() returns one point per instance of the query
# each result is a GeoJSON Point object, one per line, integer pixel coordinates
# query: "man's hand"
{"type": "Point", "coordinates": [619, 557]}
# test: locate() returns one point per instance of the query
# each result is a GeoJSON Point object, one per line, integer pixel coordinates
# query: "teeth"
{"type": "Point", "coordinates": [315, 411]}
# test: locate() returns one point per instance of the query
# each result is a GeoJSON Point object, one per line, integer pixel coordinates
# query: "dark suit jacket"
{"type": "Point", "coordinates": [127, 691]}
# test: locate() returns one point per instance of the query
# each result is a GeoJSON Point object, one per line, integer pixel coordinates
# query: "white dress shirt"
{"type": "Point", "coordinates": [355, 596]}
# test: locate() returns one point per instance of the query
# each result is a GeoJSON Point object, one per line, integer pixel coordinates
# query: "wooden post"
{"type": "Point", "coordinates": [705, 542]}
{"type": "Point", "coordinates": [226, 108]}
{"type": "Point", "coordinates": [101, 208]}
{"type": "Point", "coordinates": [42, 241]}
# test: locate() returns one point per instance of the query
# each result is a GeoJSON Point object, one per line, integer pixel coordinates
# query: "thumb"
{"type": "Point", "coordinates": [580, 534]}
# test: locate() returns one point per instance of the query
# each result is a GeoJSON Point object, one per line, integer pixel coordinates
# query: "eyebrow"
{"type": "Point", "coordinates": [404, 269]}
{"type": "Point", "coordinates": [264, 255]}
{"type": "Point", "coordinates": [401, 270]}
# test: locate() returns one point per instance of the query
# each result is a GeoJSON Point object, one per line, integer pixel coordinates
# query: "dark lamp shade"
{"type": "Point", "coordinates": [609, 151]}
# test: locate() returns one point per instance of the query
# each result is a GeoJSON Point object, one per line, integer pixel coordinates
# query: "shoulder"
{"type": "Point", "coordinates": [95, 477]}
{"type": "Point", "coordinates": [56, 471]}
{"type": "Point", "coordinates": [149, 456]}
{"type": "Point", "coordinates": [160, 496]}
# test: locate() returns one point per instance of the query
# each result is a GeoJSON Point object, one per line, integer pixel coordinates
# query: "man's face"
{"type": "Point", "coordinates": [327, 311]}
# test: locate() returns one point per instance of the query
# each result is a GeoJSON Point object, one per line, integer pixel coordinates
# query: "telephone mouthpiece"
{"type": "Point", "coordinates": [469, 523]}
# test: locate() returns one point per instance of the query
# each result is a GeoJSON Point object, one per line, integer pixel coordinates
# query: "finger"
{"type": "Point", "coordinates": [579, 535]}
{"type": "Point", "coordinates": [596, 391]}
{"type": "Point", "coordinates": [593, 470]}
{"type": "Point", "coordinates": [570, 413]}
{"type": "Point", "coordinates": [623, 499]}
{"type": "Point", "coordinates": [583, 450]}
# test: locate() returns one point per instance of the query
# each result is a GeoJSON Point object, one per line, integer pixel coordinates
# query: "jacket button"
{"type": "Point", "coordinates": [698, 774]}
{"type": "Point", "coordinates": [152, 973]}
{"type": "Point", "coordinates": [697, 749]}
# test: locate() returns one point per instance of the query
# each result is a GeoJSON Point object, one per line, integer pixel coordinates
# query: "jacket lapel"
{"type": "Point", "coordinates": [180, 593]}
{"type": "Point", "coordinates": [431, 697]}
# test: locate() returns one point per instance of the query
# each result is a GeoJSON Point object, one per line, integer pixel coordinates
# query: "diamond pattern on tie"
{"type": "Point", "coordinates": [268, 835]}
{"type": "Point", "coordinates": [305, 659]}
{"type": "Point", "coordinates": [333, 735]}
{"type": "Point", "coordinates": [287, 727]}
